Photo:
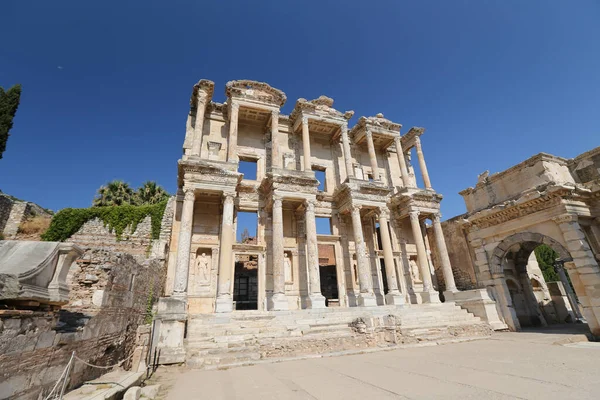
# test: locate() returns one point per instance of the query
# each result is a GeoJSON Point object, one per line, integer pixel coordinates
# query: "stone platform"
{"type": "Point", "coordinates": [248, 337]}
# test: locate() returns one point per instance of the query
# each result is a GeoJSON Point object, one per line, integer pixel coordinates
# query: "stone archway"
{"type": "Point", "coordinates": [528, 240]}
{"type": "Point", "coordinates": [518, 247]}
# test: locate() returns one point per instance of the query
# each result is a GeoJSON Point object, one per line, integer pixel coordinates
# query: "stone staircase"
{"type": "Point", "coordinates": [245, 337]}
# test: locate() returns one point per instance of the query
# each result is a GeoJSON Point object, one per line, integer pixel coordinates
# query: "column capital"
{"type": "Point", "coordinates": [310, 205]}
{"type": "Point", "coordinates": [369, 134]}
{"type": "Point", "coordinates": [384, 212]}
{"type": "Point", "coordinates": [356, 207]}
{"type": "Point", "coordinates": [436, 217]}
{"type": "Point", "coordinates": [277, 201]}
{"type": "Point", "coordinates": [274, 113]}
{"type": "Point", "coordinates": [234, 106]}
{"type": "Point", "coordinates": [561, 219]}
{"type": "Point", "coordinates": [418, 142]}
{"type": "Point", "coordinates": [414, 215]}
{"type": "Point", "coordinates": [304, 120]}
{"type": "Point", "coordinates": [189, 194]}
{"type": "Point", "coordinates": [228, 197]}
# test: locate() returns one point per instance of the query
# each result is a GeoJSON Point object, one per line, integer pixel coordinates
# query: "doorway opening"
{"type": "Point", "coordinates": [383, 276]}
{"type": "Point", "coordinates": [328, 274]}
{"type": "Point", "coordinates": [245, 284]}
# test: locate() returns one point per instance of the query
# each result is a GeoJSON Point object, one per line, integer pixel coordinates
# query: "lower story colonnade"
{"type": "Point", "coordinates": [378, 258]}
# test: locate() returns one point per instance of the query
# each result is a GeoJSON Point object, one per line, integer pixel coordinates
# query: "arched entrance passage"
{"type": "Point", "coordinates": [513, 267]}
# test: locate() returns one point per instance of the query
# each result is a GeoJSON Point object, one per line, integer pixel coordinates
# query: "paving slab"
{"type": "Point", "coordinates": [529, 365]}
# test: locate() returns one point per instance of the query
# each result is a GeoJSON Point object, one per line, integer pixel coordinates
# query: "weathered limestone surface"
{"type": "Point", "coordinates": [312, 170]}
{"type": "Point", "coordinates": [108, 299]}
{"type": "Point", "coordinates": [543, 200]}
{"type": "Point", "coordinates": [14, 212]}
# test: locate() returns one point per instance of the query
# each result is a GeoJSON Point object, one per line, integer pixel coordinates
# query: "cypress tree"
{"type": "Point", "coordinates": [9, 102]}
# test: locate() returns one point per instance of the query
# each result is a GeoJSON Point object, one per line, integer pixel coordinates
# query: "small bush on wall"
{"type": "Point", "coordinates": [68, 221]}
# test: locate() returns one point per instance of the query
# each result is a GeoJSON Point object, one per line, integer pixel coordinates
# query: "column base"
{"type": "Point", "coordinates": [170, 329]}
{"type": "Point", "coordinates": [367, 300]}
{"type": "Point", "coordinates": [394, 298]}
{"type": "Point", "coordinates": [430, 297]}
{"type": "Point", "coordinates": [224, 304]}
{"type": "Point", "coordinates": [449, 295]}
{"type": "Point", "coordinates": [315, 300]}
{"type": "Point", "coordinates": [278, 302]}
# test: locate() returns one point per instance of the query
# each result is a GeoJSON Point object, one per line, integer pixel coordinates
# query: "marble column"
{"type": "Point", "coordinates": [276, 160]}
{"type": "Point", "coordinates": [429, 295]}
{"type": "Point", "coordinates": [306, 145]}
{"type": "Point", "coordinates": [366, 297]}
{"type": "Point", "coordinates": [315, 298]}
{"type": "Point", "coordinates": [232, 155]}
{"type": "Point", "coordinates": [372, 156]}
{"type": "Point", "coordinates": [184, 244]}
{"type": "Point", "coordinates": [402, 161]}
{"type": "Point", "coordinates": [440, 243]}
{"type": "Point", "coordinates": [224, 296]}
{"type": "Point", "coordinates": [199, 124]}
{"type": "Point", "coordinates": [422, 164]}
{"type": "Point", "coordinates": [278, 301]}
{"type": "Point", "coordinates": [347, 152]}
{"type": "Point", "coordinates": [393, 296]}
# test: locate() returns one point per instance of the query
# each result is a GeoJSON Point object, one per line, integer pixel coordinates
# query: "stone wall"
{"type": "Point", "coordinates": [109, 297]}
{"type": "Point", "coordinates": [95, 235]}
{"type": "Point", "coordinates": [13, 212]}
{"type": "Point", "coordinates": [459, 253]}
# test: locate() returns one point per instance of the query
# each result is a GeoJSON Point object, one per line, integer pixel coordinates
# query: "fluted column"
{"type": "Point", "coordinates": [306, 144]}
{"type": "Point", "coordinates": [402, 161]}
{"type": "Point", "coordinates": [366, 297]}
{"type": "Point", "coordinates": [429, 295]}
{"type": "Point", "coordinates": [224, 295]}
{"type": "Point", "coordinates": [275, 150]}
{"type": "Point", "coordinates": [422, 164]}
{"type": "Point", "coordinates": [393, 295]}
{"type": "Point", "coordinates": [444, 258]}
{"type": "Point", "coordinates": [233, 133]}
{"type": "Point", "coordinates": [200, 110]}
{"type": "Point", "coordinates": [347, 152]}
{"type": "Point", "coordinates": [278, 300]}
{"type": "Point", "coordinates": [372, 156]}
{"type": "Point", "coordinates": [315, 298]}
{"type": "Point", "coordinates": [184, 244]}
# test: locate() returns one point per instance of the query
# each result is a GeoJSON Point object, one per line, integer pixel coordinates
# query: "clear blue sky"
{"type": "Point", "coordinates": [106, 85]}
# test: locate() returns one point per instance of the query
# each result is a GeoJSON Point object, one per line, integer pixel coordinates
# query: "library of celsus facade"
{"type": "Point", "coordinates": [306, 169]}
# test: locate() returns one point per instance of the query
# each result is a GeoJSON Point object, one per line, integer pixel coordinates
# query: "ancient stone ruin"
{"type": "Point", "coordinates": [245, 157]}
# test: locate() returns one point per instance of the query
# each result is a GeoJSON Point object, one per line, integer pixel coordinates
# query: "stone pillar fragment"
{"type": "Point", "coordinates": [440, 243]}
{"type": "Point", "coordinates": [429, 295]}
{"type": "Point", "coordinates": [306, 145]}
{"type": "Point", "coordinates": [347, 152]}
{"type": "Point", "coordinates": [402, 161]}
{"type": "Point", "coordinates": [199, 125]}
{"type": "Point", "coordinates": [224, 296]}
{"type": "Point", "coordinates": [422, 164]}
{"type": "Point", "coordinates": [315, 298]}
{"type": "Point", "coordinates": [184, 244]}
{"type": "Point", "coordinates": [372, 156]}
{"type": "Point", "coordinates": [278, 301]}
{"type": "Point", "coordinates": [276, 160]}
{"type": "Point", "coordinates": [393, 296]}
{"type": "Point", "coordinates": [366, 297]}
{"type": "Point", "coordinates": [233, 133]}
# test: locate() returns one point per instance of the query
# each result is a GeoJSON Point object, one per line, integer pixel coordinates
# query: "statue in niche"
{"type": "Point", "coordinates": [203, 267]}
{"type": "Point", "coordinates": [287, 268]}
{"type": "Point", "coordinates": [414, 271]}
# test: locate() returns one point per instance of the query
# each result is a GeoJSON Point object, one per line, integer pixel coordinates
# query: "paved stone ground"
{"type": "Point", "coordinates": [526, 365]}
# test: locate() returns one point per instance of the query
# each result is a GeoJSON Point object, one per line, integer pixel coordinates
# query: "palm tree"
{"type": "Point", "coordinates": [151, 193]}
{"type": "Point", "coordinates": [114, 193]}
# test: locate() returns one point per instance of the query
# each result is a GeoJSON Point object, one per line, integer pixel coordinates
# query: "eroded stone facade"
{"type": "Point", "coordinates": [380, 247]}
{"type": "Point", "coordinates": [543, 200]}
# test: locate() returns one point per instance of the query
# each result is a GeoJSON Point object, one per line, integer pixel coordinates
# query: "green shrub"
{"type": "Point", "coordinates": [67, 222]}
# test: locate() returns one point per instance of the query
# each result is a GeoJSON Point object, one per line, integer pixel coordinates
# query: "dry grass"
{"type": "Point", "coordinates": [35, 225]}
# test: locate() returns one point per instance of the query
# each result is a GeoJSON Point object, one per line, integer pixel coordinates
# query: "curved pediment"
{"type": "Point", "coordinates": [257, 91]}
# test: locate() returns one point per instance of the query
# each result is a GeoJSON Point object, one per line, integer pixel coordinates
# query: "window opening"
{"type": "Point", "coordinates": [247, 227]}
{"type": "Point", "coordinates": [323, 226]}
{"type": "Point", "coordinates": [248, 167]}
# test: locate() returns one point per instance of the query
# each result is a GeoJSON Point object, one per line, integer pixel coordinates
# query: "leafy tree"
{"type": "Point", "coordinates": [546, 258]}
{"type": "Point", "coordinates": [150, 193]}
{"type": "Point", "coordinates": [114, 193]}
{"type": "Point", "coordinates": [9, 102]}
